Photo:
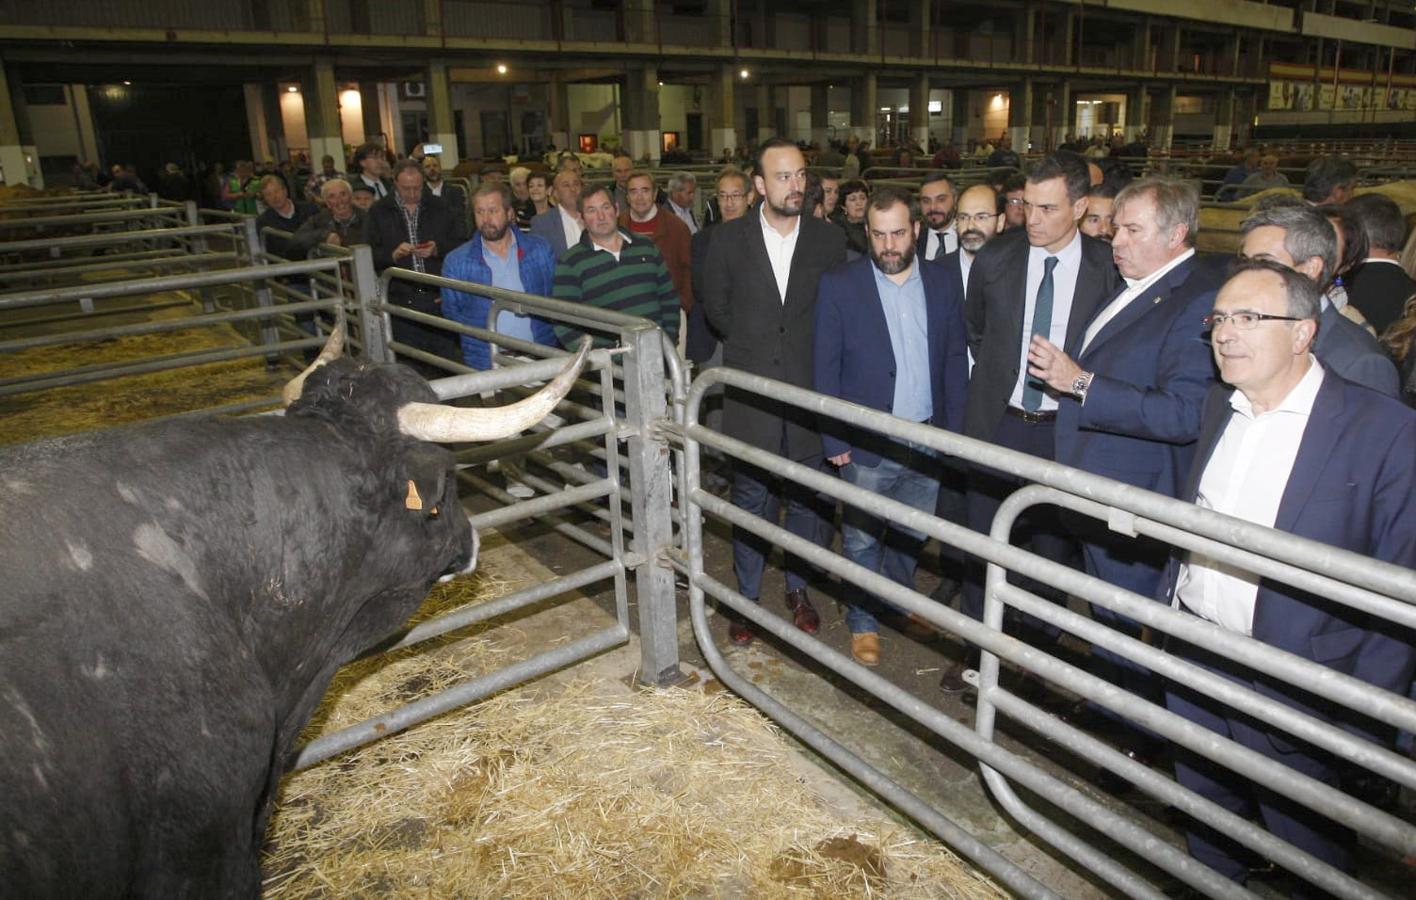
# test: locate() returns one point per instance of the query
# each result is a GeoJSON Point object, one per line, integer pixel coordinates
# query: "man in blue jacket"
{"type": "Point", "coordinates": [890, 336]}
{"type": "Point", "coordinates": [500, 256]}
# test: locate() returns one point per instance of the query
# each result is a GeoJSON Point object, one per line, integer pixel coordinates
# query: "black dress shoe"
{"type": "Point", "coordinates": [804, 615]}
{"type": "Point", "coordinates": [944, 594]}
{"type": "Point", "coordinates": [952, 682]}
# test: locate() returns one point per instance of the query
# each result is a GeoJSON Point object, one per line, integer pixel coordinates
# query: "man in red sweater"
{"type": "Point", "coordinates": [667, 231]}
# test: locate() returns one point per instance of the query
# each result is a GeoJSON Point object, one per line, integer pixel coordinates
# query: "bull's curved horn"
{"type": "Point", "coordinates": [334, 345]}
{"type": "Point", "coordinates": [451, 424]}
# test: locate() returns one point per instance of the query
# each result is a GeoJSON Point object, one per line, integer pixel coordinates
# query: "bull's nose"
{"type": "Point", "coordinates": [471, 565]}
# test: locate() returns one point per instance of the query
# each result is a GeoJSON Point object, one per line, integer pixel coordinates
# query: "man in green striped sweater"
{"type": "Point", "coordinates": [613, 269]}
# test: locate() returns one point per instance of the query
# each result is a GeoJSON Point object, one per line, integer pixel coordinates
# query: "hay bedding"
{"type": "Point", "coordinates": [573, 788]}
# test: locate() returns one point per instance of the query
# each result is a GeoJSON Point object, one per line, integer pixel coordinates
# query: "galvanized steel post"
{"type": "Point", "coordinates": [366, 299]}
{"type": "Point", "coordinates": [649, 475]}
{"type": "Point", "coordinates": [199, 245]}
{"type": "Point", "coordinates": [256, 247]}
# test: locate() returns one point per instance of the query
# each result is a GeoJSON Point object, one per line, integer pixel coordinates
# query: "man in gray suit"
{"type": "Point", "coordinates": [1302, 239]}
{"type": "Point", "coordinates": [560, 226]}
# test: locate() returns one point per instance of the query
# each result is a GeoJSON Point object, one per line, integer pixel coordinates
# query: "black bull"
{"type": "Point", "coordinates": [175, 601]}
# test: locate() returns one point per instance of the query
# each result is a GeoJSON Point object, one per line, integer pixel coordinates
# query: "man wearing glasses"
{"type": "Point", "coordinates": [1296, 448]}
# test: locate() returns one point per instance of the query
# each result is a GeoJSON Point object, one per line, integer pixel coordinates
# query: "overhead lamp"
{"type": "Point", "coordinates": [292, 89]}
{"type": "Point", "coordinates": [742, 74]}
{"type": "Point", "coordinates": [127, 84]}
{"type": "Point", "coordinates": [501, 68]}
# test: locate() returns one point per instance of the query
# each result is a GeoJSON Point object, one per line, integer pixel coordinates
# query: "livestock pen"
{"type": "Point", "coordinates": [560, 717]}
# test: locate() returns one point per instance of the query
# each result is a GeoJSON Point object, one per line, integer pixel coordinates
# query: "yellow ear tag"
{"type": "Point", "coordinates": [413, 501]}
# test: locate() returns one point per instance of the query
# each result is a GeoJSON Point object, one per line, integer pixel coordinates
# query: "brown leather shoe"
{"type": "Point", "coordinates": [865, 648]}
{"type": "Point", "coordinates": [803, 613]}
{"type": "Point", "coordinates": [740, 632]}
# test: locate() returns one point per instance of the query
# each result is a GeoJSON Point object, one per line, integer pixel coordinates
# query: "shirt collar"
{"type": "Point", "coordinates": [1299, 400]}
{"type": "Point", "coordinates": [771, 232]}
{"type": "Point", "coordinates": [882, 280]}
{"type": "Point", "coordinates": [1381, 259]}
{"type": "Point", "coordinates": [1141, 284]}
{"type": "Point", "coordinates": [1070, 255]}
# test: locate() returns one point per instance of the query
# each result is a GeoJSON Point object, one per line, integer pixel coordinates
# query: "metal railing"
{"type": "Point", "coordinates": [1380, 589]}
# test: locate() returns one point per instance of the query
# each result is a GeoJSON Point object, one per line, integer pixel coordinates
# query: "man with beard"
{"type": "Point", "coordinates": [453, 196]}
{"type": "Point", "coordinates": [759, 291]}
{"type": "Point", "coordinates": [978, 221]}
{"type": "Point", "coordinates": [890, 336]}
{"type": "Point", "coordinates": [502, 256]}
{"type": "Point", "coordinates": [936, 203]}
{"type": "Point", "coordinates": [1096, 221]}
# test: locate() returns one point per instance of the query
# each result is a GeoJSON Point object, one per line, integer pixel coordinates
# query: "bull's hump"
{"type": "Point", "coordinates": [157, 547]}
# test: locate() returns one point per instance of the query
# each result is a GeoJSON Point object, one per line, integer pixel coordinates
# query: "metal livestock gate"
{"type": "Point", "coordinates": [632, 428]}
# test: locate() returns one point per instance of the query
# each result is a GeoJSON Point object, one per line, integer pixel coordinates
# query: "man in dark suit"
{"type": "Point", "coordinates": [760, 294]}
{"type": "Point", "coordinates": [1303, 239]}
{"type": "Point", "coordinates": [890, 336]}
{"type": "Point", "coordinates": [561, 226]}
{"type": "Point", "coordinates": [413, 230]}
{"type": "Point", "coordinates": [1130, 389]}
{"type": "Point", "coordinates": [1044, 278]}
{"type": "Point", "coordinates": [1379, 287]}
{"type": "Point", "coordinates": [450, 194]}
{"type": "Point", "coordinates": [1297, 448]}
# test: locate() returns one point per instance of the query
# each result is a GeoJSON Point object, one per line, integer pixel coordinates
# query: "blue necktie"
{"type": "Point", "coordinates": [1042, 324]}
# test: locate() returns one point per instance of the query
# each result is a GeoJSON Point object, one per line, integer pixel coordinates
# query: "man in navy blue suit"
{"type": "Point", "coordinates": [1131, 386]}
{"type": "Point", "coordinates": [1297, 448]}
{"type": "Point", "coordinates": [890, 336]}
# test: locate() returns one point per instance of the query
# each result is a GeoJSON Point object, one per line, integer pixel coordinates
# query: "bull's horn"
{"type": "Point", "coordinates": [450, 424]}
{"type": "Point", "coordinates": [334, 345]}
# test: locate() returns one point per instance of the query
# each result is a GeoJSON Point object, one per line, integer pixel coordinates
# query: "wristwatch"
{"type": "Point", "coordinates": [1080, 385]}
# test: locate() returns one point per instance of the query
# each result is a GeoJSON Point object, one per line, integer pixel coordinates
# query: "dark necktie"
{"type": "Point", "coordinates": [939, 248]}
{"type": "Point", "coordinates": [1041, 324]}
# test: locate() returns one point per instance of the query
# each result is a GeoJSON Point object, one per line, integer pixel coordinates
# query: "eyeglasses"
{"type": "Point", "coordinates": [730, 195]}
{"type": "Point", "coordinates": [1015, 201]}
{"type": "Point", "coordinates": [982, 218]}
{"type": "Point", "coordinates": [1244, 321]}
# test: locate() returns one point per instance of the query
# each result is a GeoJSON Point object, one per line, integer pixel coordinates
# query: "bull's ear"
{"type": "Point", "coordinates": [426, 469]}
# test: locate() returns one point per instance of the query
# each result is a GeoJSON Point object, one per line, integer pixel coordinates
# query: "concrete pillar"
{"type": "Point", "coordinates": [371, 102]}
{"type": "Point", "coordinates": [1135, 114]}
{"type": "Point", "coordinates": [432, 18]}
{"type": "Point", "coordinates": [1063, 113]}
{"type": "Point", "coordinates": [919, 111]}
{"type": "Point", "coordinates": [864, 106]}
{"type": "Point", "coordinates": [641, 112]}
{"type": "Point", "coordinates": [1170, 49]}
{"type": "Point", "coordinates": [961, 119]}
{"type": "Point", "coordinates": [820, 114]}
{"type": "Point", "coordinates": [1020, 108]}
{"type": "Point", "coordinates": [1162, 118]}
{"type": "Point", "coordinates": [442, 124]}
{"type": "Point", "coordinates": [1024, 36]}
{"type": "Point", "coordinates": [765, 99]}
{"type": "Point", "coordinates": [256, 125]}
{"type": "Point", "coordinates": [1140, 46]}
{"type": "Point", "coordinates": [276, 148]}
{"type": "Point", "coordinates": [720, 22]}
{"type": "Point", "coordinates": [83, 119]}
{"type": "Point", "coordinates": [1223, 119]}
{"type": "Point", "coordinates": [321, 95]}
{"type": "Point", "coordinates": [639, 21]}
{"type": "Point", "coordinates": [865, 37]}
{"type": "Point", "coordinates": [19, 160]}
{"type": "Point", "coordinates": [921, 28]}
{"type": "Point", "coordinates": [1069, 36]}
{"type": "Point", "coordinates": [722, 109]}
{"type": "Point", "coordinates": [558, 111]}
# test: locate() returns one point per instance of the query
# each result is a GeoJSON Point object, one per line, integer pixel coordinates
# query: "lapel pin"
{"type": "Point", "coordinates": [1156, 300]}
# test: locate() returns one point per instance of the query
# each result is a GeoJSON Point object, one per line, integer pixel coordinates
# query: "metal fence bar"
{"type": "Point", "coordinates": [93, 218]}
{"type": "Point", "coordinates": [108, 238]}
{"type": "Point", "coordinates": [556, 523]}
{"type": "Point", "coordinates": [159, 259]}
{"type": "Point", "coordinates": [100, 334]}
{"type": "Point", "coordinates": [459, 695]}
{"type": "Point", "coordinates": [87, 374]}
{"type": "Point", "coordinates": [158, 284]}
{"type": "Point", "coordinates": [473, 613]}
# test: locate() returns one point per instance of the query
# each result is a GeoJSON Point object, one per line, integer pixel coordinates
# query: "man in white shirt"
{"type": "Point", "coordinates": [936, 204]}
{"type": "Point", "coordinates": [759, 293]}
{"type": "Point", "coordinates": [1296, 448]}
{"type": "Point", "coordinates": [1130, 389]}
{"type": "Point", "coordinates": [561, 225]}
{"type": "Point", "coordinates": [682, 187]}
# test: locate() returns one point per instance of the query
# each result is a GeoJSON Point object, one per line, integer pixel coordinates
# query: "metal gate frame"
{"type": "Point", "coordinates": [1380, 588]}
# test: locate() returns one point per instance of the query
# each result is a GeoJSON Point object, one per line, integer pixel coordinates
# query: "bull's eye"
{"type": "Point", "coordinates": [433, 513]}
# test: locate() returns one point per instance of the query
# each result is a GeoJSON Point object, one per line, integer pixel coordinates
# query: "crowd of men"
{"type": "Point", "coordinates": [1062, 312]}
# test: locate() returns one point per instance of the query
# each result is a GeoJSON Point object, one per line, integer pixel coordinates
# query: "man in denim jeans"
{"type": "Point", "coordinates": [890, 336]}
